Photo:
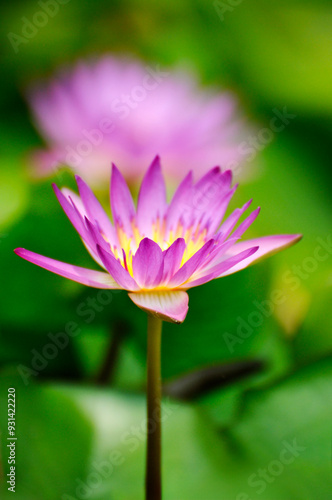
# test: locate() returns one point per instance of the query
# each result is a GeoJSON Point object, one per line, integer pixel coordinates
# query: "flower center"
{"type": "Point", "coordinates": [195, 237]}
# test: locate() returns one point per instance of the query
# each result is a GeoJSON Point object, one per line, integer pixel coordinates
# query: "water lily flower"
{"type": "Point", "coordinates": [116, 109]}
{"type": "Point", "coordinates": [160, 250]}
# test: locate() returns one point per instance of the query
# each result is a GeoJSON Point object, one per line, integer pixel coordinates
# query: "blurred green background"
{"type": "Point", "coordinates": [259, 426]}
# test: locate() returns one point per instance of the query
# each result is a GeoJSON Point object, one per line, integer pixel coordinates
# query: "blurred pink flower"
{"type": "Point", "coordinates": [159, 250]}
{"type": "Point", "coordinates": [121, 110]}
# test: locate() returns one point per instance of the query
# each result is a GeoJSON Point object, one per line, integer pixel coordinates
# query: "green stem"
{"type": "Point", "coordinates": [153, 458]}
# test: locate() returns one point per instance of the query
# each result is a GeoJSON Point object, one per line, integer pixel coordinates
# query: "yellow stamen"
{"type": "Point", "coordinates": [194, 237]}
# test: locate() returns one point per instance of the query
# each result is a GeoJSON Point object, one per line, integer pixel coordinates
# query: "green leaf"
{"type": "Point", "coordinates": [54, 440]}
{"type": "Point", "coordinates": [281, 432]}
{"type": "Point", "coordinates": [296, 411]}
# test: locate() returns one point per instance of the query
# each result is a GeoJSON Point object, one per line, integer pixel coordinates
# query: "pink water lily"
{"type": "Point", "coordinates": [159, 250]}
{"type": "Point", "coordinates": [118, 109]}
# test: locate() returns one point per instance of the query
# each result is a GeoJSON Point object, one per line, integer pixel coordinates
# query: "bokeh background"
{"type": "Point", "coordinates": [263, 396]}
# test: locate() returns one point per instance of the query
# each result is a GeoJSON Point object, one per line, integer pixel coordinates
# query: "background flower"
{"type": "Point", "coordinates": [125, 111]}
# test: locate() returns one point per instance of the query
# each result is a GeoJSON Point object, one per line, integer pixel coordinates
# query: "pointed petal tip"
{"type": "Point", "coordinates": [117, 178]}
{"type": "Point", "coordinates": [216, 169]}
{"type": "Point", "coordinates": [266, 247]}
{"type": "Point", "coordinates": [115, 170]}
{"type": "Point", "coordinates": [79, 179]}
{"type": "Point", "coordinates": [59, 192]}
{"type": "Point", "coordinates": [155, 164]}
{"type": "Point", "coordinates": [252, 251]}
{"type": "Point", "coordinates": [151, 201]}
{"type": "Point", "coordinates": [148, 264]}
{"type": "Point", "coordinates": [190, 175]}
{"type": "Point", "coordinates": [227, 173]}
{"type": "Point", "coordinates": [291, 239]}
{"type": "Point", "coordinates": [19, 251]}
{"type": "Point", "coordinates": [88, 277]}
{"type": "Point", "coordinates": [188, 178]}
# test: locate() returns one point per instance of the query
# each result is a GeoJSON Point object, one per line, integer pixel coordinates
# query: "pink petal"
{"type": "Point", "coordinates": [172, 259]}
{"type": "Point", "coordinates": [213, 217]}
{"type": "Point", "coordinates": [209, 199]}
{"type": "Point", "coordinates": [196, 282]}
{"type": "Point", "coordinates": [218, 254]}
{"type": "Point", "coordinates": [208, 179]}
{"type": "Point", "coordinates": [122, 205]}
{"type": "Point", "coordinates": [73, 199]}
{"type": "Point", "coordinates": [229, 262]}
{"type": "Point", "coordinates": [75, 214]}
{"type": "Point", "coordinates": [95, 211]}
{"type": "Point", "coordinates": [87, 277]}
{"type": "Point", "coordinates": [220, 269]}
{"type": "Point", "coordinates": [152, 198]}
{"type": "Point", "coordinates": [97, 239]}
{"type": "Point", "coordinates": [210, 188]}
{"type": "Point", "coordinates": [117, 271]}
{"type": "Point", "coordinates": [245, 224]}
{"type": "Point", "coordinates": [148, 264]}
{"type": "Point", "coordinates": [229, 224]}
{"type": "Point", "coordinates": [169, 306]}
{"type": "Point", "coordinates": [268, 245]}
{"type": "Point", "coordinates": [181, 203]}
{"type": "Point", "coordinates": [189, 267]}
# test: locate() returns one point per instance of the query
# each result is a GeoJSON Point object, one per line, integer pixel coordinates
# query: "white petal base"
{"type": "Point", "coordinates": [171, 306]}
